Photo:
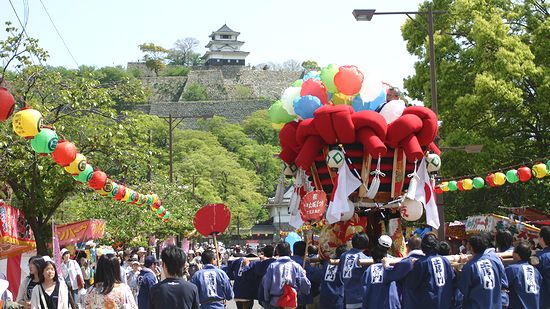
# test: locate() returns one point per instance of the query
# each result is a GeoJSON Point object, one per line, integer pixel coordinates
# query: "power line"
{"type": "Point", "coordinates": [24, 26]}
{"type": "Point", "coordinates": [58, 33]}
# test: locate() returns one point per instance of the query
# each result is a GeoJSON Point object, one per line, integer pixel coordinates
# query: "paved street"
{"type": "Point", "coordinates": [232, 305]}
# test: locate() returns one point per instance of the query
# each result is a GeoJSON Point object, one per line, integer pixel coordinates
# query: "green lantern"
{"type": "Point", "coordinates": [85, 175]}
{"type": "Point", "coordinates": [149, 200]}
{"type": "Point", "coordinates": [45, 141]}
{"type": "Point", "coordinates": [166, 215]}
{"type": "Point", "coordinates": [453, 186]}
{"type": "Point", "coordinates": [160, 210]}
{"type": "Point", "coordinates": [115, 190]}
{"type": "Point", "coordinates": [512, 176]}
{"type": "Point", "coordinates": [479, 183]}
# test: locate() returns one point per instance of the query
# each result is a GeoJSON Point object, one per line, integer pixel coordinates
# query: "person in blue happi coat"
{"type": "Point", "coordinates": [260, 269]}
{"type": "Point", "coordinates": [213, 283]}
{"type": "Point", "coordinates": [331, 290]}
{"type": "Point", "coordinates": [245, 284]}
{"type": "Point", "coordinates": [490, 252]}
{"type": "Point", "coordinates": [480, 281]}
{"type": "Point", "coordinates": [313, 274]}
{"type": "Point", "coordinates": [524, 280]}
{"type": "Point", "coordinates": [430, 283]}
{"type": "Point", "coordinates": [351, 271]}
{"type": "Point", "coordinates": [146, 280]}
{"type": "Point", "coordinates": [377, 293]}
{"type": "Point", "coordinates": [544, 266]}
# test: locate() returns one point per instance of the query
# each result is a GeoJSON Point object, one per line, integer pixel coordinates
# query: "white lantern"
{"type": "Point", "coordinates": [434, 162]}
{"type": "Point", "coordinates": [411, 210]}
{"type": "Point", "coordinates": [335, 158]}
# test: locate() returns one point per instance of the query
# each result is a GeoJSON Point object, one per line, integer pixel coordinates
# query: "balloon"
{"type": "Point", "coordinates": [311, 74]}
{"type": "Point", "coordinates": [291, 238]}
{"type": "Point", "coordinates": [297, 83]}
{"type": "Point", "coordinates": [327, 77]}
{"type": "Point", "coordinates": [499, 179]}
{"type": "Point", "coordinates": [278, 114]}
{"type": "Point", "coordinates": [358, 104]}
{"type": "Point", "coordinates": [315, 88]}
{"type": "Point", "coordinates": [378, 101]}
{"type": "Point", "coordinates": [512, 176]}
{"type": "Point", "coordinates": [393, 110]}
{"type": "Point", "coordinates": [411, 210]}
{"type": "Point", "coordinates": [467, 184]}
{"type": "Point", "coordinates": [287, 98]}
{"type": "Point", "coordinates": [341, 99]}
{"type": "Point", "coordinates": [524, 173]}
{"type": "Point", "coordinates": [306, 105]}
{"type": "Point", "coordinates": [452, 185]}
{"type": "Point", "coordinates": [479, 183]}
{"type": "Point", "coordinates": [7, 104]}
{"type": "Point", "coordinates": [64, 153]}
{"type": "Point", "coordinates": [85, 175]}
{"type": "Point", "coordinates": [45, 141]}
{"type": "Point", "coordinates": [540, 170]}
{"type": "Point", "coordinates": [277, 126]}
{"type": "Point", "coordinates": [335, 158]}
{"type": "Point", "coordinates": [27, 122]}
{"type": "Point", "coordinates": [490, 180]}
{"type": "Point", "coordinates": [98, 180]}
{"type": "Point", "coordinates": [459, 185]}
{"type": "Point", "coordinates": [372, 88]}
{"type": "Point", "coordinates": [434, 162]}
{"type": "Point", "coordinates": [77, 166]}
{"type": "Point", "coordinates": [445, 186]}
{"type": "Point", "coordinates": [348, 80]}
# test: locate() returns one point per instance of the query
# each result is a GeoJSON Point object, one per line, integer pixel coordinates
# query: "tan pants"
{"type": "Point", "coordinates": [315, 304]}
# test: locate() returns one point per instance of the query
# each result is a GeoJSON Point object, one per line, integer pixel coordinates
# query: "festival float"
{"type": "Point", "coordinates": [356, 141]}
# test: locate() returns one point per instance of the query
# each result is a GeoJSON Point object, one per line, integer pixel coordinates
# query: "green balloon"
{"type": "Point", "coordinates": [297, 83]}
{"type": "Point", "coordinates": [452, 185]}
{"type": "Point", "coordinates": [278, 114]}
{"type": "Point", "coordinates": [327, 77]}
{"type": "Point", "coordinates": [512, 176]}
{"type": "Point", "coordinates": [45, 141]}
{"type": "Point", "coordinates": [479, 183]}
{"type": "Point", "coordinates": [85, 175]}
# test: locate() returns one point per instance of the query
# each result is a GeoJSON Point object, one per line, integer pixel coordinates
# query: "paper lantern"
{"type": "Point", "coordinates": [132, 199]}
{"type": "Point", "coordinates": [479, 183]}
{"type": "Point", "coordinates": [512, 176]}
{"type": "Point", "coordinates": [27, 122]}
{"type": "Point", "coordinates": [445, 186]}
{"type": "Point", "coordinates": [438, 189]}
{"type": "Point", "coordinates": [155, 206]}
{"type": "Point", "coordinates": [149, 200]}
{"type": "Point", "coordinates": [434, 162]}
{"type": "Point", "coordinates": [98, 180]}
{"type": "Point", "coordinates": [548, 165]}
{"type": "Point", "coordinates": [127, 195]}
{"type": "Point", "coordinates": [64, 153]}
{"type": "Point", "coordinates": [490, 180]}
{"type": "Point", "coordinates": [77, 166]}
{"type": "Point", "coordinates": [85, 175]}
{"type": "Point", "coordinates": [160, 210]}
{"type": "Point", "coordinates": [45, 141]}
{"type": "Point", "coordinates": [459, 185]}
{"type": "Point", "coordinates": [540, 170]}
{"type": "Point", "coordinates": [452, 185]}
{"type": "Point", "coordinates": [155, 198]}
{"type": "Point", "coordinates": [121, 192]}
{"type": "Point", "coordinates": [7, 104]}
{"type": "Point", "coordinates": [167, 215]}
{"type": "Point", "coordinates": [115, 190]}
{"type": "Point", "coordinates": [499, 179]}
{"type": "Point", "coordinates": [524, 173]}
{"type": "Point", "coordinates": [467, 184]}
{"type": "Point", "coordinates": [335, 158]}
{"type": "Point", "coordinates": [411, 210]}
{"type": "Point", "coordinates": [108, 187]}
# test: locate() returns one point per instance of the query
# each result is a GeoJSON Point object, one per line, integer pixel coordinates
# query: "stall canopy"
{"type": "Point", "coordinates": [531, 215]}
{"type": "Point", "coordinates": [15, 233]}
{"type": "Point", "coordinates": [81, 231]}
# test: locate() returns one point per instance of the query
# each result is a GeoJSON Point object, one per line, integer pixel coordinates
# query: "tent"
{"type": "Point", "coordinates": [16, 235]}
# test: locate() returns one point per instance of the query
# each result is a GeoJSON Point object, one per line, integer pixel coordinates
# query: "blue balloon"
{"type": "Point", "coordinates": [306, 105]}
{"type": "Point", "coordinates": [379, 100]}
{"type": "Point", "coordinates": [312, 74]}
{"type": "Point", "coordinates": [291, 238]}
{"type": "Point", "coordinates": [358, 104]}
{"type": "Point", "coordinates": [329, 95]}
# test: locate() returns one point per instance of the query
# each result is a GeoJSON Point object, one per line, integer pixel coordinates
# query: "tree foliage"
{"type": "Point", "coordinates": [493, 83]}
{"type": "Point", "coordinates": [154, 57]}
{"type": "Point", "coordinates": [311, 65]}
{"type": "Point", "coordinates": [184, 53]}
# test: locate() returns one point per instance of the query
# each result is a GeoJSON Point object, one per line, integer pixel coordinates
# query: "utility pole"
{"type": "Point", "coordinates": [149, 165]}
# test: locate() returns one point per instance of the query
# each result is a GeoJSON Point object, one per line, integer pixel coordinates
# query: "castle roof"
{"type": "Point", "coordinates": [225, 28]}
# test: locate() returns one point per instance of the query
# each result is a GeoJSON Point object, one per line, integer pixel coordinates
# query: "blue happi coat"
{"type": "Point", "coordinates": [480, 283]}
{"type": "Point", "coordinates": [245, 283]}
{"type": "Point", "coordinates": [331, 294]}
{"type": "Point", "coordinates": [544, 269]}
{"type": "Point", "coordinates": [399, 272]}
{"type": "Point", "coordinates": [284, 271]}
{"type": "Point", "coordinates": [351, 273]}
{"type": "Point", "coordinates": [376, 293]}
{"type": "Point", "coordinates": [213, 285]}
{"type": "Point", "coordinates": [491, 254]}
{"type": "Point", "coordinates": [524, 283]}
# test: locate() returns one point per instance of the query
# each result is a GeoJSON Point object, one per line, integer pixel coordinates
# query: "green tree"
{"type": "Point", "coordinates": [493, 85]}
{"type": "Point", "coordinates": [195, 92]}
{"type": "Point", "coordinates": [311, 65]}
{"type": "Point", "coordinates": [155, 56]}
{"type": "Point", "coordinates": [184, 52]}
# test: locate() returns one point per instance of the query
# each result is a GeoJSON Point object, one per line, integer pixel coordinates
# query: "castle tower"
{"type": "Point", "coordinates": [224, 48]}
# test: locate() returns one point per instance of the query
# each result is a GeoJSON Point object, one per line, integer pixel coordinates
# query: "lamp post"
{"type": "Point", "coordinates": [366, 15]}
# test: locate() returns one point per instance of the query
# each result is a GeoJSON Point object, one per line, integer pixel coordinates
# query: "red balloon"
{"type": "Point", "coordinates": [490, 180]}
{"type": "Point", "coordinates": [524, 173]}
{"type": "Point", "coordinates": [7, 104]}
{"type": "Point", "coordinates": [98, 180]}
{"type": "Point", "coordinates": [348, 80]}
{"type": "Point", "coordinates": [315, 88]}
{"type": "Point", "coordinates": [65, 153]}
{"type": "Point", "coordinates": [459, 185]}
{"type": "Point", "coordinates": [121, 192]}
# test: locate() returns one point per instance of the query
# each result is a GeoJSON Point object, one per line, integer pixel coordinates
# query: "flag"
{"type": "Point", "coordinates": [56, 250]}
{"type": "Point", "coordinates": [425, 194]}
{"type": "Point", "coordinates": [339, 205]}
{"type": "Point", "coordinates": [294, 205]}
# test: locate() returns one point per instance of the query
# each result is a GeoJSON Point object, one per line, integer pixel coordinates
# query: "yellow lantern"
{"type": "Point", "coordinates": [444, 186]}
{"type": "Point", "coordinates": [77, 166]}
{"type": "Point", "coordinates": [155, 198]}
{"type": "Point", "coordinates": [27, 122]}
{"type": "Point", "coordinates": [540, 170]}
{"type": "Point", "coordinates": [499, 179]}
{"type": "Point", "coordinates": [467, 184]}
{"type": "Point", "coordinates": [127, 195]}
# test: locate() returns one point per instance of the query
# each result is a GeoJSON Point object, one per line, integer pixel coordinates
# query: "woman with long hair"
{"type": "Point", "coordinates": [25, 288]}
{"type": "Point", "coordinates": [108, 291]}
{"type": "Point", "coordinates": [50, 293]}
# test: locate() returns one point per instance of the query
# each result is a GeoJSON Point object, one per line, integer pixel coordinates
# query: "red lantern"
{"type": "Point", "coordinates": [136, 198]}
{"type": "Point", "coordinates": [524, 173]}
{"type": "Point", "coordinates": [7, 104]}
{"type": "Point", "coordinates": [438, 189]}
{"type": "Point", "coordinates": [490, 179]}
{"type": "Point", "coordinates": [98, 180]}
{"type": "Point", "coordinates": [65, 153]}
{"type": "Point", "coordinates": [155, 206]}
{"type": "Point", "coordinates": [459, 185]}
{"type": "Point", "coordinates": [120, 193]}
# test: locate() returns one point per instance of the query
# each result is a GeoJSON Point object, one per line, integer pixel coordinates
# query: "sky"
{"type": "Point", "coordinates": [108, 32]}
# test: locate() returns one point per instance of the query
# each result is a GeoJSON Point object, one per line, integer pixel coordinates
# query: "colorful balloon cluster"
{"type": "Point", "coordinates": [27, 123]}
{"type": "Point", "coordinates": [332, 86]}
{"type": "Point", "coordinates": [522, 174]}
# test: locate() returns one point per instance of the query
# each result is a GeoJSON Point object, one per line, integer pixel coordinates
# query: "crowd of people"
{"type": "Point", "coordinates": [283, 277]}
